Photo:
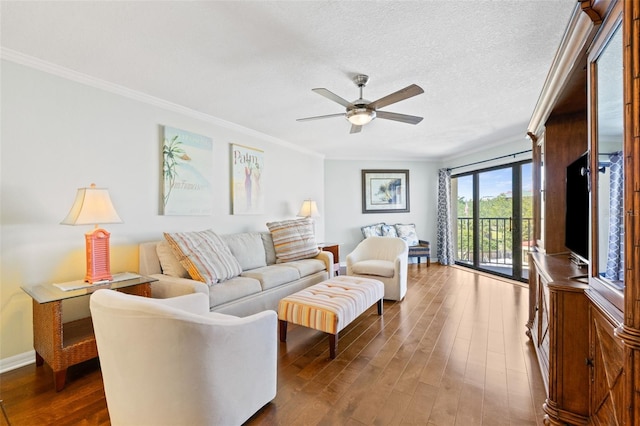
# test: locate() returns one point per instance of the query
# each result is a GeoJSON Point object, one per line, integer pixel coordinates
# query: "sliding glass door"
{"type": "Point", "coordinates": [494, 219]}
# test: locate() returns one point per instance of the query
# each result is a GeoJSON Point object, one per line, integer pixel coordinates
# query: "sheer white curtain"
{"type": "Point", "coordinates": [445, 219]}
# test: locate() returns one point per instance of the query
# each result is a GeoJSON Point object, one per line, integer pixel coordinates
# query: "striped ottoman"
{"type": "Point", "coordinates": [330, 306]}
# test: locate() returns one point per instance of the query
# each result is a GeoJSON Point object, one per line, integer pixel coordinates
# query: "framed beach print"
{"type": "Point", "coordinates": [385, 191]}
{"type": "Point", "coordinates": [187, 173]}
{"type": "Point", "coordinates": [247, 168]}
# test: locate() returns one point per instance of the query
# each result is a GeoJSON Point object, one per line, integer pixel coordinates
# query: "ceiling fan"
{"type": "Point", "coordinates": [362, 111]}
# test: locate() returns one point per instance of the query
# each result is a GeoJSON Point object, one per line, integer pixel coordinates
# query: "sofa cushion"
{"type": "Point", "coordinates": [306, 266]}
{"type": "Point", "coordinates": [169, 262]}
{"type": "Point", "coordinates": [273, 275]}
{"type": "Point", "coordinates": [293, 239]}
{"type": "Point", "coordinates": [374, 230]}
{"type": "Point", "coordinates": [379, 268]}
{"type": "Point", "coordinates": [247, 248]}
{"type": "Point", "coordinates": [204, 255]}
{"type": "Point", "coordinates": [233, 289]}
{"type": "Point", "coordinates": [408, 233]}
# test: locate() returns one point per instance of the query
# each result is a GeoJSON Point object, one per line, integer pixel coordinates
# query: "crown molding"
{"type": "Point", "coordinates": [78, 77]}
{"type": "Point", "coordinates": [578, 34]}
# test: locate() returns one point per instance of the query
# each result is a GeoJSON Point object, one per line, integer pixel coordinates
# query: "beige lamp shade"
{"type": "Point", "coordinates": [309, 209]}
{"type": "Point", "coordinates": [92, 206]}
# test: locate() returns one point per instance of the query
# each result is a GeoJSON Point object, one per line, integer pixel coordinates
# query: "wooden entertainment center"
{"type": "Point", "coordinates": [584, 321]}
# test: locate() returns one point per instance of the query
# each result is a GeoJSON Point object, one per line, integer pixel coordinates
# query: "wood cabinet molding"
{"type": "Point", "coordinates": [596, 10]}
{"type": "Point", "coordinates": [629, 336]}
{"type": "Point", "coordinates": [556, 416]}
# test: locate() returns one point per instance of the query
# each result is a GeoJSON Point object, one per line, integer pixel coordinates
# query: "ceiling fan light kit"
{"type": "Point", "coordinates": [360, 116]}
{"type": "Point", "coordinates": [361, 111]}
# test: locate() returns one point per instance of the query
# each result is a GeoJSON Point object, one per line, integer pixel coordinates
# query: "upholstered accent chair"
{"type": "Point", "coordinates": [171, 361]}
{"type": "Point", "coordinates": [384, 259]}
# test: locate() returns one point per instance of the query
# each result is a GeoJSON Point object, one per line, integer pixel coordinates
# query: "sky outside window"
{"type": "Point", "coordinates": [494, 183]}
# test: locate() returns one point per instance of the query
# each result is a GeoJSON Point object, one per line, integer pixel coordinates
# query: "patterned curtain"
{"type": "Point", "coordinates": [615, 256]}
{"type": "Point", "coordinates": [445, 219]}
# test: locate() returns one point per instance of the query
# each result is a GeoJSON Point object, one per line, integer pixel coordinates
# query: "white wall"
{"type": "Point", "coordinates": [58, 135]}
{"type": "Point", "coordinates": [343, 200]}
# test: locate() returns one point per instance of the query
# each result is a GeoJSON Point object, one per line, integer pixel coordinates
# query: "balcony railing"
{"type": "Point", "coordinates": [495, 240]}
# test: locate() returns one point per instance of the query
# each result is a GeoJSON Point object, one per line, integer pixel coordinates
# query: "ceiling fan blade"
{"type": "Point", "coordinates": [411, 119]}
{"type": "Point", "coordinates": [398, 96]}
{"type": "Point", "coordinates": [330, 95]}
{"type": "Point", "coordinates": [355, 128]}
{"type": "Point", "coordinates": [318, 117]}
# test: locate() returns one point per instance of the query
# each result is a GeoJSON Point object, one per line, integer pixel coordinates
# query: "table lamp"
{"type": "Point", "coordinates": [309, 209]}
{"type": "Point", "coordinates": [93, 206]}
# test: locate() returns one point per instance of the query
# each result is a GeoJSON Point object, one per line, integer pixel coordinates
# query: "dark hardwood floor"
{"type": "Point", "coordinates": [453, 352]}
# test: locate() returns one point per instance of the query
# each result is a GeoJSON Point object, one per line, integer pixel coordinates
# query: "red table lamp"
{"type": "Point", "coordinates": [93, 206]}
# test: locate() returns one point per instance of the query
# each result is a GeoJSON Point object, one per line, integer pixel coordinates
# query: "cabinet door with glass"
{"type": "Point", "coordinates": [607, 164]}
{"type": "Point", "coordinates": [607, 267]}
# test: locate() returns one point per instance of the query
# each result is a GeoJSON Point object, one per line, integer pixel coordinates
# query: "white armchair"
{"type": "Point", "coordinates": [383, 259]}
{"type": "Point", "coordinates": [172, 362]}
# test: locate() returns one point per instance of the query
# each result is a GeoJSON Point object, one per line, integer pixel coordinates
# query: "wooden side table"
{"type": "Point", "coordinates": [62, 345]}
{"type": "Point", "coordinates": [334, 248]}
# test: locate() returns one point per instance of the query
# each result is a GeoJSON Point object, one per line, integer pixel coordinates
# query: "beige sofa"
{"type": "Point", "coordinates": [259, 287]}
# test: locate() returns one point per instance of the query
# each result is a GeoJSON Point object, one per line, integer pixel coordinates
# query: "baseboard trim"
{"type": "Point", "coordinates": [17, 361]}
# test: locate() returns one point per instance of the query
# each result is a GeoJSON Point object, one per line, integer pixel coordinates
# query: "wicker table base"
{"type": "Point", "coordinates": [62, 345]}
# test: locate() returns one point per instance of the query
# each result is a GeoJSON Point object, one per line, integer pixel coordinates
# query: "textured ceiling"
{"type": "Point", "coordinates": [481, 64]}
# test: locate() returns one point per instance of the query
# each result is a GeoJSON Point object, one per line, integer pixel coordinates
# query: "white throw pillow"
{"type": "Point", "coordinates": [389, 231]}
{"type": "Point", "coordinates": [408, 233]}
{"type": "Point", "coordinates": [204, 255]}
{"type": "Point", "coordinates": [293, 239]}
{"type": "Point", "coordinates": [374, 230]}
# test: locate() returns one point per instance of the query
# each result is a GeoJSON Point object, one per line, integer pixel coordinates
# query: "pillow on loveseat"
{"type": "Point", "coordinates": [204, 255]}
{"type": "Point", "coordinates": [408, 233]}
{"type": "Point", "coordinates": [374, 230]}
{"type": "Point", "coordinates": [293, 239]}
{"type": "Point", "coordinates": [389, 231]}
{"type": "Point", "coordinates": [405, 231]}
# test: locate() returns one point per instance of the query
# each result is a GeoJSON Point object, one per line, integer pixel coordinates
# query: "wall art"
{"type": "Point", "coordinates": [385, 191]}
{"type": "Point", "coordinates": [247, 168]}
{"type": "Point", "coordinates": [187, 170]}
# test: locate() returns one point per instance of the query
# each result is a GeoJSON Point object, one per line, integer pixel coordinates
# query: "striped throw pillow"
{"type": "Point", "coordinates": [293, 239]}
{"type": "Point", "coordinates": [204, 255]}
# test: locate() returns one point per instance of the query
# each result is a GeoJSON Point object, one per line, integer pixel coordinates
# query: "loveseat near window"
{"type": "Point", "coordinates": [417, 248]}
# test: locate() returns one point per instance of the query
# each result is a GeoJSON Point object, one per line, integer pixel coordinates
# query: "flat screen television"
{"type": "Point", "coordinates": [577, 209]}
